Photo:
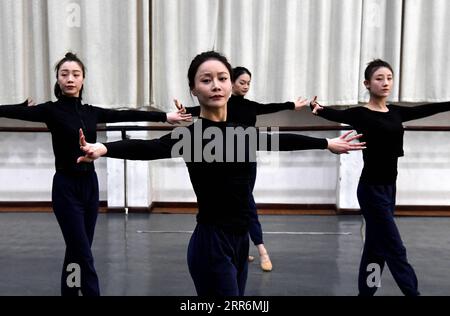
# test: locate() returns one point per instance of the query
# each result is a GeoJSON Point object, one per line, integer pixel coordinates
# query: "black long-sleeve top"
{"type": "Point", "coordinates": [383, 132]}
{"type": "Point", "coordinates": [244, 112]}
{"type": "Point", "coordinates": [65, 117]}
{"type": "Point", "coordinates": [222, 185]}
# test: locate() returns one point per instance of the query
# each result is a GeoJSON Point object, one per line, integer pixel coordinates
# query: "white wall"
{"type": "Point", "coordinates": [139, 192]}
{"type": "Point", "coordinates": [26, 167]}
{"type": "Point", "coordinates": [424, 175]}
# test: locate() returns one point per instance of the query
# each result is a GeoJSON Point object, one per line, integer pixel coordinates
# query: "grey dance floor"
{"type": "Point", "coordinates": [145, 254]}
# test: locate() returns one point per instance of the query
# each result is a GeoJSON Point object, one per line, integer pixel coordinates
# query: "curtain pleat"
{"type": "Point", "coordinates": [425, 73]}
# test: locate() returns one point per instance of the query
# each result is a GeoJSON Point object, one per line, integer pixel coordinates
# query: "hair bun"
{"type": "Point", "coordinates": [70, 55]}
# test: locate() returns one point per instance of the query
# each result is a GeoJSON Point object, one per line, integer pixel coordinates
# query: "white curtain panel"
{"type": "Point", "coordinates": [180, 30]}
{"type": "Point", "coordinates": [307, 47]}
{"type": "Point", "coordinates": [23, 51]}
{"type": "Point", "coordinates": [292, 47]}
{"type": "Point", "coordinates": [110, 36]}
{"type": "Point", "coordinates": [381, 37]}
{"type": "Point", "coordinates": [425, 73]}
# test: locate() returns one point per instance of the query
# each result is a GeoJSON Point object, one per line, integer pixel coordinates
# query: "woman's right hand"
{"type": "Point", "coordinates": [315, 106]}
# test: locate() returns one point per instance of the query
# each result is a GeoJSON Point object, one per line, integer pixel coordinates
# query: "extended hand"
{"type": "Point", "coordinates": [315, 106]}
{"type": "Point", "coordinates": [30, 102]}
{"type": "Point", "coordinates": [180, 115]}
{"type": "Point", "coordinates": [177, 117]}
{"type": "Point", "coordinates": [92, 151]}
{"type": "Point", "coordinates": [179, 106]}
{"type": "Point", "coordinates": [300, 103]}
{"type": "Point", "coordinates": [342, 145]}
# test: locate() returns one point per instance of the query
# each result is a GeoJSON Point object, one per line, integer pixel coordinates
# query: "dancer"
{"type": "Point", "coordinates": [75, 193]}
{"type": "Point", "coordinates": [382, 129]}
{"type": "Point", "coordinates": [244, 112]}
{"type": "Point", "coordinates": [218, 248]}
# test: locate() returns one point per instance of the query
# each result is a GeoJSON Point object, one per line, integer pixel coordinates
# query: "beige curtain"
{"type": "Point", "coordinates": [110, 36]}
{"type": "Point", "coordinates": [180, 30]}
{"type": "Point", "coordinates": [306, 47]}
{"type": "Point", "coordinates": [293, 47]}
{"type": "Point", "coordinates": [381, 37]}
{"type": "Point", "coordinates": [425, 74]}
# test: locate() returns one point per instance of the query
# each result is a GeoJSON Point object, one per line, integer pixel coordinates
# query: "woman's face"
{"type": "Point", "coordinates": [212, 84]}
{"type": "Point", "coordinates": [70, 78]}
{"type": "Point", "coordinates": [381, 82]}
{"type": "Point", "coordinates": [241, 85]}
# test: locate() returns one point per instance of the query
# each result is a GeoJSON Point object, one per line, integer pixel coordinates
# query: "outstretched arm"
{"type": "Point", "coordinates": [340, 116]}
{"type": "Point", "coordinates": [114, 116]}
{"type": "Point", "coordinates": [135, 149]}
{"type": "Point", "coordinates": [421, 111]}
{"type": "Point", "coordinates": [289, 142]}
{"type": "Point", "coordinates": [268, 108]}
{"type": "Point", "coordinates": [27, 111]}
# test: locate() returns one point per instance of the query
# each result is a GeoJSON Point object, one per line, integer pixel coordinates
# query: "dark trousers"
{"type": "Point", "coordinates": [383, 243]}
{"type": "Point", "coordinates": [217, 261]}
{"type": "Point", "coordinates": [255, 228]}
{"type": "Point", "coordinates": [75, 203]}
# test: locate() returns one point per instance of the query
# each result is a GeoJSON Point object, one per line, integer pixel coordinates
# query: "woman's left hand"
{"type": "Point", "coordinates": [315, 106]}
{"type": "Point", "coordinates": [30, 102]}
{"type": "Point", "coordinates": [91, 151]}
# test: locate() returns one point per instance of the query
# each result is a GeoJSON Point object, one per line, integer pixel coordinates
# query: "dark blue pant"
{"type": "Point", "coordinates": [383, 243]}
{"type": "Point", "coordinates": [217, 261]}
{"type": "Point", "coordinates": [75, 203]}
{"type": "Point", "coordinates": [255, 229]}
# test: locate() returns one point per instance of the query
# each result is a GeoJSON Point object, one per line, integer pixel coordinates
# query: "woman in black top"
{"type": "Point", "coordinates": [242, 111]}
{"type": "Point", "coordinates": [382, 129]}
{"type": "Point", "coordinates": [75, 194]}
{"type": "Point", "coordinates": [218, 249]}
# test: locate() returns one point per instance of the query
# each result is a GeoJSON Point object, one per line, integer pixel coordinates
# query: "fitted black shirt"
{"type": "Point", "coordinates": [222, 185]}
{"type": "Point", "coordinates": [244, 112]}
{"type": "Point", "coordinates": [65, 117]}
{"type": "Point", "coordinates": [383, 132]}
